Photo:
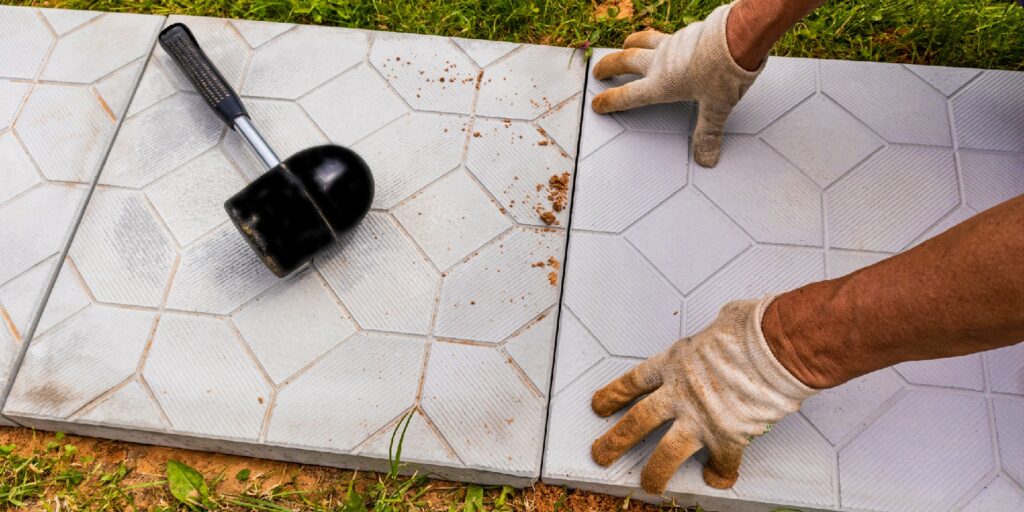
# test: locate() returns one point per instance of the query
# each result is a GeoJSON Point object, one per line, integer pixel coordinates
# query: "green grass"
{"type": "Point", "coordinates": [971, 33]}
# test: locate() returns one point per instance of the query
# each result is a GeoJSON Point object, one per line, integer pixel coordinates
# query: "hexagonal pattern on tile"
{"type": "Point", "coordinates": [63, 20]}
{"type": "Point", "coordinates": [989, 113]}
{"type": "Point", "coordinates": [1006, 369]}
{"type": "Point", "coordinates": [190, 200]}
{"type": "Point", "coordinates": [11, 95]}
{"type": "Point", "coordinates": [999, 495]}
{"type": "Point", "coordinates": [764, 193]}
{"type": "Point", "coordinates": [420, 444]}
{"type": "Point", "coordinates": [923, 454]}
{"type": "Point", "coordinates": [892, 198]}
{"type": "Point", "coordinates": [97, 49]}
{"type": "Point", "coordinates": [129, 407]}
{"type": "Point", "coordinates": [783, 84]}
{"type": "Point", "coordinates": [620, 182]}
{"type": "Point", "coordinates": [791, 463]}
{"type": "Point", "coordinates": [378, 273]}
{"type": "Point", "coordinates": [21, 296]}
{"type": "Point", "coordinates": [160, 139]}
{"type": "Point", "coordinates": [759, 271]}
{"type": "Point", "coordinates": [431, 146]}
{"type": "Point", "coordinates": [516, 162]}
{"type": "Point", "coordinates": [1009, 419]}
{"type": "Point", "coordinates": [75, 117]}
{"type": "Point", "coordinates": [24, 44]}
{"type": "Point", "coordinates": [991, 178]}
{"type": "Point", "coordinates": [607, 280]}
{"type": "Point", "coordinates": [894, 102]}
{"type": "Point", "coordinates": [528, 83]}
{"type": "Point", "coordinates": [503, 434]}
{"type": "Point", "coordinates": [292, 324]}
{"type": "Point", "coordinates": [838, 411]}
{"type": "Point", "coordinates": [218, 273]}
{"type": "Point", "coordinates": [121, 250]}
{"type": "Point", "coordinates": [33, 226]}
{"type": "Point", "coordinates": [841, 263]}
{"type": "Point", "coordinates": [430, 73]}
{"type": "Point", "coordinates": [577, 351]}
{"type": "Point", "coordinates": [687, 252]}
{"type": "Point", "coordinates": [67, 368]}
{"type": "Point", "coordinates": [947, 80]}
{"type": "Point", "coordinates": [333, 105]}
{"type": "Point", "coordinates": [205, 381]}
{"type": "Point", "coordinates": [822, 139]}
{"type": "Point", "coordinates": [484, 52]}
{"type": "Point", "coordinates": [292, 342]}
{"type": "Point", "coordinates": [16, 168]}
{"type": "Point", "coordinates": [499, 288]}
{"type": "Point", "coordinates": [355, 390]}
{"type": "Point", "coordinates": [451, 218]}
{"type": "Point", "coordinates": [952, 372]}
{"type": "Point", "coordinates": [314, 54]}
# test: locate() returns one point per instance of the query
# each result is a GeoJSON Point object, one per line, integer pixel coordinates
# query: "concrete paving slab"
{"type": "Point", "coordinates": [65, 80]}
{"type": "Point", "coordinates": [441, 303]}
{"type": "Point", "coordinates": [861, 161]}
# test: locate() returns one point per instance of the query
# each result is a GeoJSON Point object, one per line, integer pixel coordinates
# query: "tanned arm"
{"type": "Point", "coordinates": [958, 293]}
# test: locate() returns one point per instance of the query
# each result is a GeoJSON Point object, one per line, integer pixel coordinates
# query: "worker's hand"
{"type": "Point", "coordinates": [692, 64]}
{"type": "Point", "coordinates": [719, 388]}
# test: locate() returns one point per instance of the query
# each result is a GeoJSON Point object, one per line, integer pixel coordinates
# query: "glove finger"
{"type": "Point", "coordinates": [635, 94]}
{"type": "Point", "coordinates": [677, 445]}
{"type": "Point", "coordinates": [707, 135]}
{"type": "Point", "coordinates": [633, 61]}
{"type": "Point", "coordinates": [647, 415]}
{"type": "Point", "coordinates": [645, 39]}
{"type": "Point", "coordinates": [639, 380]}
{"type": "Point", "coordinates": [723, 467]}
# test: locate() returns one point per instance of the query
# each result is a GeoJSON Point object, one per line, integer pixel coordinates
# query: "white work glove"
{"type": "Point", "coordinates": [719, 388]}
{"type": "Point", "coordinates": [692, 64]}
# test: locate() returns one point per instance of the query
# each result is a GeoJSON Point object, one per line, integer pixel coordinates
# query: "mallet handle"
{"type": "Point", "coordinates": [177, 40]}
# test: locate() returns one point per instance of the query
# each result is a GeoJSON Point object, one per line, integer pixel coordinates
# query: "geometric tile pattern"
{"type": "Point", "coordinates": [63, 91]}
{"type": "Point", "coordinates": [442, 302]}
{"type": "Point", "coordinates": [826, 167]}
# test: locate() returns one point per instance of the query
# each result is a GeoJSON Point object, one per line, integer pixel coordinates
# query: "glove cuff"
{"type": "Point", "coordinates": [764, 361]}
{"type": "Point", "coordinates": [719, 52]}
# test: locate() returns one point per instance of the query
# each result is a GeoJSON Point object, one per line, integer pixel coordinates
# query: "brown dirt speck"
{"type": "Point", "coordinates": [553, 278]}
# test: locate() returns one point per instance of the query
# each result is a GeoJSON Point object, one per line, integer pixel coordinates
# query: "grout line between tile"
{"type": "Point", "coordinates": [565, 269]}
{"type": "Point", "coordinates": [19, 356]}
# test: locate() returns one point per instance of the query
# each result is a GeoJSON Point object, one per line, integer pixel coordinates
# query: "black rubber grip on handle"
{"type": "Point", "coordinates": [177, 40]}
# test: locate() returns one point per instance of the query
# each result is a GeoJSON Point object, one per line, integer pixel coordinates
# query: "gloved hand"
{"type": "Point", "coordinates": [692, 64]}
{"type": "Point", "coordinates": [719, 388]}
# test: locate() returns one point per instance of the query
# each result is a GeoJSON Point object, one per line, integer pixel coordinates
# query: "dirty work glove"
{"type": "Point", "coordinates": [719, 388]}
{"type": "Point", "coordinates": [692, 64]}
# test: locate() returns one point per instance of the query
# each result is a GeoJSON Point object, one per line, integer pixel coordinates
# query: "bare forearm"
{"type": "Point", "coordinates": [755, 25]}
{"type": "Point", "coordinates": [958, 293]}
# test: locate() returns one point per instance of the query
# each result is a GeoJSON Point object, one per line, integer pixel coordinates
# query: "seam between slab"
{"type": "Point", "coordinates": [19, 357]}
{"type": "Point", "coordinates": [559, 304]}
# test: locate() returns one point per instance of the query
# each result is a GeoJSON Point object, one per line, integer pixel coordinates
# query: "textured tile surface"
{"type": "Point", "coordinates": [63, 91]}
{"type": "Point", "coordinates": [814, 181]}
{"type": "Point", "coordinates": [442, 302]}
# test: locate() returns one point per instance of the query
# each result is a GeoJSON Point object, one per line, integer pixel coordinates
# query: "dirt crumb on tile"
{"type": "Point", "coordinates": [476, 134]}
{"type": "Point", "coordinates": [479, 79]}
{"type": "Point", "coordinates": [553, 278]}
{"type": "Point", "coordinates": [554, 263]}
{"type": "Point", "coordinates": [548, 217]}
{"type": "Point", "coordinates": [537, 264]}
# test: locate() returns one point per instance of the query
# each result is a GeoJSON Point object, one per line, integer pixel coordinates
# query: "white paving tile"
{"type": "Point", "coordinates": [292, 323]}
{"type": "Point", "coordinates": [892, 198]}
{"type": "Point", "coordinates": [823, 189]}
{"type": "Point", "coordinates": [989, 112]}
{"type": "Point", "coordinates": [420, 444]}
{"type": "Point", "coordinates": [52, 138]}
{"type": "Point", "coordinates": [451, 218]}
{"type": "Point", "coordinates": [999, 495]}
{"type": "Point", "coordinates": [204, 379]}
{"type": "Point", "coordinates": [319, 366]}
{"type": "Point", "coordinates": [485, 52]}
{"type": "Point", "coordinates": [190, 201]}
{"type": "Point", "coordinates": [910, 111]}
{"type": "Point", "coordinates": [529, 82]}
{"type": "Point", "coordinates": [923, 454]}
